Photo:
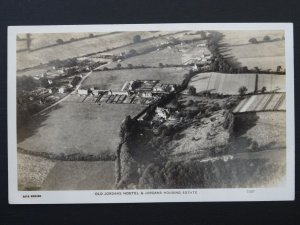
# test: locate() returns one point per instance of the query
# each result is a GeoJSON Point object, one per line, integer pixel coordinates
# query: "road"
{"type": "Point", "coordinates": [64, 98]}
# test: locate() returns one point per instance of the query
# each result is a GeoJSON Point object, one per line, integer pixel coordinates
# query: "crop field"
{"type": "Point", "coordinates": [264, 102]}
{"type": "Point", "coordinates": [264, 55]}
{"type": "Point", "coordinates": [80, 175]}
{"type": "Point", "coordinates": [78, 48]}
{"type": "Point", "coordinates": [77, 128]}
{"type": "Point", "coordinates": [115, 79]}
{"type": "Point", "coordinates": [229, 84]}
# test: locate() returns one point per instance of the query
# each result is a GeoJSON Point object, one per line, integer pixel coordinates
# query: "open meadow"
{"type": "Point", "coordinates": [115, 79]}
{"type": "Point", "coordinates": [229, 84]}
{"type": "Point", "coordinates": [77, 128]}
{"type": "Point", "coordinates": [264, 55]}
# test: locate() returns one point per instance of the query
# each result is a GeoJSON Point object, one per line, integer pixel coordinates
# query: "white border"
{"type": "Point", "coordinates": [203, 195]}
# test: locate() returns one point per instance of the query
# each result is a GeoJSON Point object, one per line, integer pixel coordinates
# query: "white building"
{"type": "Point", "coordinates": [61, 90]}
{"type": "Point", "coordinates": [82, 91]}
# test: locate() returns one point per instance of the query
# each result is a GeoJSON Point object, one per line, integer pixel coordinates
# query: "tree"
{"type": "Point", "coordinates": [130, 66]}
{"type": "Point", "coordinates": [161, 65]}
{"type": "Point", "coordinates": [243, 90]}
{"type": "Point", "coordinates": [263, 90]}
{"type": "Point", "coordinates": [59, 41]}
{"type": "Point", "coordinates": [192, 90]}
{"type": "Point", "coordinates": [253, 41]}
{"type": "Point", "coordinates": [136, 38]}
{"type": "Point", "coordinates": [132, 52]}
{"type": "Point", "coordinates": [267, 38]}
{"type": "Point", "coordinates": [279, 69]}
{"type": "Point", "coordinates": [118, 65]}
{"type": "Point", "coordinates": [91, 35]}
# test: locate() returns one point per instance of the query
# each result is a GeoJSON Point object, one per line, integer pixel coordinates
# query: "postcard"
{"type": "Point", "coordinates": [151, 113]}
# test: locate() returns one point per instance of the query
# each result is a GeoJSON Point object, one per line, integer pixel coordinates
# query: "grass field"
{"type": "Point", "coordinates": [28, 59]}
{"type": "Point", "coordinates": [264, 55]}
{"type": "Point", "coordinates": [80, 176]}
{"type": "Point", "coordinates": [77, 128]}
{"type": "Point", "coordinates": [268, 129]}
{"type": "Point", "coordinates": [115, 79]}
{"type": "Point", "coordinates": [165, 56]}
{"type": "Point", "coordinates": [239, 37]}
{"type": "Point", "coordinates": [230, 83]}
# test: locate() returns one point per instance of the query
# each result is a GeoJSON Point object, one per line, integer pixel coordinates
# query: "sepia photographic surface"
{"type": "Point", "coordinates": [151, 113]}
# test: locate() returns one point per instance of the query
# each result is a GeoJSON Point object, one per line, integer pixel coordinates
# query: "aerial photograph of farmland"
{"type": "Point", "coordinates": [151, 110]}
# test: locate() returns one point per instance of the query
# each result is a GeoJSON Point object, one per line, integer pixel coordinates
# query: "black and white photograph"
{"type": "Point", "coordinates": [151, 113]}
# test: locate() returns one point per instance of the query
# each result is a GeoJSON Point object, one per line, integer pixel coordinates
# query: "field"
{"type": "Point", "coordinates": [229, 84]}
{"type": "Point", "coordinates": [76, 128]}
{"type": "Point", "coordinates": [32, 171]}
{"type": "Point", "coordinates": [264, 55]}
{"type": "Point", "coordinates": [268, 129]}
{"type": "Point", "coordinates": [38, 173]}
{"type": "Point", "coordinates": [241, 37]}
{"type": "Point", "coordinates": [264, 102]}
{"type": "Point", "coordinates": [115, 79]}
{"type": "Point", "coordinates": [79, 175]}
{"type": "Point", "coordinates": [77, 48]}
{"type": "Point", "coordinates": [165, 56]}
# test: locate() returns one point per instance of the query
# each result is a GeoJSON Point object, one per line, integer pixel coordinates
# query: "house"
{"type": "Point", "coordinates": [62, 90]}
{"type": "Point", "coordinates": [147, 94]}
{"type": "Point", "coordinates": [158, 88]}
{"type": "Point", "coordinates": [202, 45]}
{"type": "Point", "coordinates": [82, 91]}
{"type": "Point", "coordinates": [110, 92]}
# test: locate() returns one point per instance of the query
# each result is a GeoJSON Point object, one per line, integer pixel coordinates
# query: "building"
{"type": "Point", "coordinates": [147, 94]}
{"type": "Point", "coordinates": [82, 91]}
{"type": "Point", "coordinates": [62, 90]}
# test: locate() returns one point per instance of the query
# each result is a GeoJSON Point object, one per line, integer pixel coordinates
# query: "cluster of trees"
{"type": "Point", "coordinates": [63, 63]}
{"type": "Point", "coordinates": [266, 38]}
{"type": "Point", "coordinates": [211, 174]}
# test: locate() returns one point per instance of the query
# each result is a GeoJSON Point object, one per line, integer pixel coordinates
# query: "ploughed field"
{"type": "Point", "coordinates": [229, 84]}
{"type": "Point", "coordinates": [115, 79]}
{"type": "Point", "coordinates": [264, 55]}
{"type": "Point", "coordinates": [263, 102]}
{"type": "Point", "coordinates": [77, 129]}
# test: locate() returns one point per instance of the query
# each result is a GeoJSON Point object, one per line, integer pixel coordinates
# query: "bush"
{"type": "Point", "coordinates": [130, 66]}
{"type": "Point", "coordinates": [91, 35]}
{"type": "Point", "coordinates": [118, 65]}
{"type": "Point", "coordinates": [59, 41]}
{"type": "Point", "coordinates": [253, 41]}
{"type": "Point", "coordinates": [161, 65]}
{"type": "Point", "coordinates": [243, 90]}
{"type": "Point", "coordinates": [136, 38]}
{"type": "Point", "coordinates": [267, 38]}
